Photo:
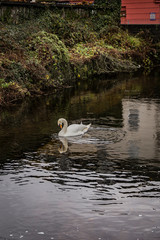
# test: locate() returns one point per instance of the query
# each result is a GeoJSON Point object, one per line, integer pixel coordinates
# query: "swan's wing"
{"type": "Point", "coordinates": [78, 128]}
{"type": "Point", "coordinates": [75, 128]}
{"type": "Point", "coordinates": [85, 127]}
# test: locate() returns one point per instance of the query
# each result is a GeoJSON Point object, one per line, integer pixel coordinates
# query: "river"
{"type": "Point", "coordinates": [103, 185]}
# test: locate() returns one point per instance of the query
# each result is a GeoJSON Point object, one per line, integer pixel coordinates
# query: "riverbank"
{"type": "Point", "coordinates": [58, 49]}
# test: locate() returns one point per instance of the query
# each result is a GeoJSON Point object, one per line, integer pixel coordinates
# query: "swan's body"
{"type": "Point", "coordinates": [73, 129]}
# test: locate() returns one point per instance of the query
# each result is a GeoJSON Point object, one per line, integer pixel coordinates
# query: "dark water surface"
{"type": "Point", "coordinates": [104, 185]}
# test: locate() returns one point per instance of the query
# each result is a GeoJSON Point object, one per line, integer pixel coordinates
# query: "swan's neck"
{"type": "Point", "coordinates": [64, 129]}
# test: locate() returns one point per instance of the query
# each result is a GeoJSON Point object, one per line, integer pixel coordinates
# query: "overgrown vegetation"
{"type": "Point", "coordinates": [63, 46]}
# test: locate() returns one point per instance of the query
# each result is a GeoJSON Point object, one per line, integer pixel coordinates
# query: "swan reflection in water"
{"type": "Point", "coordinates": [75, 143]}
{"type": "Point", "coordinates": [87, 143]}
{"type": "Point", "coordinates": [64, 145]}
{"type": "Point", "coordinates": [60, 145]}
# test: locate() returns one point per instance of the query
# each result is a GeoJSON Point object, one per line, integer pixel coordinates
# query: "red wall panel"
{"type": "Point", "coordinates": [140, 12]}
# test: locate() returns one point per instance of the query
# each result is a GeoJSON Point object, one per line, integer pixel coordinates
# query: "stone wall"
{"type": "Point", "coordinates": [17, 12]}
{"type": "Point", "coordinates": [14, 13]}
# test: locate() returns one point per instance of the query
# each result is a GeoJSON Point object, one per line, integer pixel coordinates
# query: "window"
{"type": "Point", "coordinates": [152, 16]}
{"type": "Point", "coordinates": [123, 11]}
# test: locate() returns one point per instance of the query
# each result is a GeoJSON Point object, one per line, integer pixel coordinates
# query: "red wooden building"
{"type": "Point", "coordinates": [140, 12]}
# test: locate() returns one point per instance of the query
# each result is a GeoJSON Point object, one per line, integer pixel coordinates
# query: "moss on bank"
{"type": "Point", "coordinates": [59, 48]}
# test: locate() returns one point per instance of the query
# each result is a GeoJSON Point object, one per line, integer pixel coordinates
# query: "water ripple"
{"type": "Point", "coordinates": [79, 173]}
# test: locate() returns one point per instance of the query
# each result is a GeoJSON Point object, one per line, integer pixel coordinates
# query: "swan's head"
{"type": "Point", "coordinates": [61, 122]}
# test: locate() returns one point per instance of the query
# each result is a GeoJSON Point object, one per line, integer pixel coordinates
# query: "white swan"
{"type": "Point", "coordinates": [72, 130]}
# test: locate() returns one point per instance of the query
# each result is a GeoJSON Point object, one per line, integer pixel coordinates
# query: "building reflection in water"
{"type": "Point", "coordinates": [133, 119]}
{"type": "Point", "coordinates": [141, 123]}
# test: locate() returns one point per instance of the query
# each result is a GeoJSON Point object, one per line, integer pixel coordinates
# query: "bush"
{"type": "Point", "coordinates": [47, 50]}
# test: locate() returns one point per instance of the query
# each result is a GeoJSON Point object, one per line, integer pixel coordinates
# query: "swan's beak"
{"type": "Point", "coordinates": [60, 125]}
